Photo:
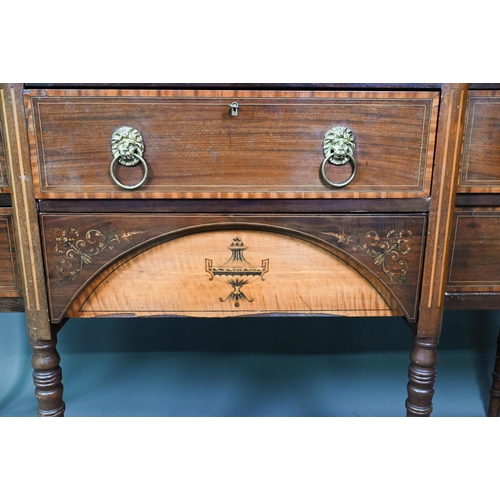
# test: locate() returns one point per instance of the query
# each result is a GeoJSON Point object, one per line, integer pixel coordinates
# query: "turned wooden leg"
{"type": "Point", "coordinates": [494, 410]}
{"type": "Point", "coordinates": [422, 375]}
{"type": "Point", "coordinates": [47, 376]}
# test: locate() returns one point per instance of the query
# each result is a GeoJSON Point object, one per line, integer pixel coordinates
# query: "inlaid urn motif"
{"type": "Point", "coordinates": [237, 272]}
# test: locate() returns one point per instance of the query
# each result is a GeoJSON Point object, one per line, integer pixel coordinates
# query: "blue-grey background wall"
{"type": "Point", "coordinates": [250, 367]}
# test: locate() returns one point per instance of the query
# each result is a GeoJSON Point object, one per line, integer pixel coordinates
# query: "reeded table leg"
{"type": "Point", "coordinates": [47, 376]}
{"type": "Point", "coordinates": [422, 375]}
{"type": "Point", "coordinates": [494, 410]}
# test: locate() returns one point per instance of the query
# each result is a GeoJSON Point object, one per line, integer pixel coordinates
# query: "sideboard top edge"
{"type": "Point", "coordinates": [241, 86]}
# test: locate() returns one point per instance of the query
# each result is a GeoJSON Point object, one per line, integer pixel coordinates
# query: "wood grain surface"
{"type": "Point", "coordinates": [480, 172]}
{"type": "Point", "coordinates": [4, 181]}
{"type": "Point", "coordinates": [475, 263]}
{"type": "Point", "coordinates": [387, 250]}
{"type": "Point", "coordinates": [10, 285]}
{"type": "Point", "coordinates": [171, 279]}
{"type": "Point", "coordinates": [195, 148]}
{"type": "Point", "coordinates": [444, 181]}
{"type": "Point", "coordinates": [25, 217]}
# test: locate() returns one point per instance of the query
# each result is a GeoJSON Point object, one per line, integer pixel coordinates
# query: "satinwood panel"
{"type": "Point", "coordinates": [282, 275]}
{"type": "Point", "coordinates": [195, 148]}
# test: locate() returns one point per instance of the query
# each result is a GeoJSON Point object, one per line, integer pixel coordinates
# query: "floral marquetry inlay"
{"type": "Point", "coordinates": [386, 251]}
{"type": "Point", "coordinates": [81, 250]}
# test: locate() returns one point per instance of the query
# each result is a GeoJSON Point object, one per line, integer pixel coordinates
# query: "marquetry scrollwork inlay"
{"type": "Point", "coordinates": [386, 251]}
{"type": "Point", "coordinates": [80, 251]}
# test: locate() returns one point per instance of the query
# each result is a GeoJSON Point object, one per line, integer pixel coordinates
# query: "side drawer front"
{"type": "Point", "coordinates": [3, 166]}
{"type": "Point", "coordinates": [480, 171]}
{"type": "Point", "coordinates": [195, 148]}
{"type": "Point", "coordinates": [475, 258]}
{"type": "Point", "coordinates": [9, 271]}
{"type": "Point", "coordinates": [216, 265]}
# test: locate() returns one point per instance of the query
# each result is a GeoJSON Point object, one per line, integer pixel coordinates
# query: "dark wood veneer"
{"type": "Point", "coordinates": [195, 148]}
{"type": "Point", "coordinates": [236, 206]}
{"type": "Point", "coordinates": [485, 301]}
{"type": "Point", "coordinates": [10, 285]}
{"type": "Point", "coordinates": [4, 181]}
{"type": "Point", "coordinates": [64, 232]}
{"type": "Point", "coordinates": [69, 154]}
{"type": "Point", "coordinates": [481, 156]}
{"type": "Point", "coordinates": [475, 252]}
{"type": "Point", "coordinates": [240, 86]}
{"type": "Point", "coordinates": [11, 304]}
{"type": "Point", "coordinates": [478, 200]}
{"type": "Point", "coordinates": [5, 200]}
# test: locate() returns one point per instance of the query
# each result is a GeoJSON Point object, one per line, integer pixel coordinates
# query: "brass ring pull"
{"type": "Point", "coordinates": [339, 184]}
{"type": "Point", "coordinates": [127, 147]}
{"type": "Point", "coordinates": [124, 186]}
{"type": "Point", "coordinates": [338, 148]}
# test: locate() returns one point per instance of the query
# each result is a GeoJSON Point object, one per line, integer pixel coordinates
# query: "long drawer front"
{"type": "Point", "coordinates": [231, 144]}
{"type": "Point", "coordinates": [220, 265]}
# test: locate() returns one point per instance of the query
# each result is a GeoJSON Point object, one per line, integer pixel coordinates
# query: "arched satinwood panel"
{"type": "Point", "coordinates": [230, 273]}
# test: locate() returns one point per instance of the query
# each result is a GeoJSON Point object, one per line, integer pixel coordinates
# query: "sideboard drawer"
{"type": "Point", "coordinates": [231, 265]}
{"type": "Point", "coordinates": [3, 166]}
{"type": "Point", "coordinates": [199, 144]}
{"type": "Point", "coordinates": [475, 262]}
{"type": "Point", "coordinates": [480, 171]}
{"type": "Point", "coordinates": [9, 271]}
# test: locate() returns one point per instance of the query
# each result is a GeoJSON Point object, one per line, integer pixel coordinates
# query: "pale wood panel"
{"type": "Point", "coordinates": [194, 149]}
{"type": "Point", "coordinates": [171, 279]}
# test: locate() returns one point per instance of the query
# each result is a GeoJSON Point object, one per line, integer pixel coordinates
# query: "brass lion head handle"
{"type": "Point", "coordinates": [338, 148]}
{"type": "Point", "coordinates": [127, 147]}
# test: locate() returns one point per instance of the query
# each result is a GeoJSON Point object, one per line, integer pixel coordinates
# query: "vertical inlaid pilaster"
{"type": "Point", "coordinates": [494, 410]}
{"type": "Point", "coordinates": [422, 376]}
{"type": "Point", "coordinates": [451, 120]}
{"type": "Point", "coordinates": [26, 227]}
{"type": "Point", "coordinates": [422, 371]}
{"type": "Point", "coordinates": [47, 376]}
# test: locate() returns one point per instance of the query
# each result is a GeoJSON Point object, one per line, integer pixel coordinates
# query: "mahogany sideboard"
{"type": "Point", "coordinates": [473, 280]}
{"type": "Point", "coordinates": [225, 200]}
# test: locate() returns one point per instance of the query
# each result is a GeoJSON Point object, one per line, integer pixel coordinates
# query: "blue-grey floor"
{"type": "Point", "coordinates": [253, 367]}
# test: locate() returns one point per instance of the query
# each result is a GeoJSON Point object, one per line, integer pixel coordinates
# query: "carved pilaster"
{"type": "Point", "coordinates": [422, 375]}
{"type": "Point", "coordinates": [494, 410]}
{"type": "Point", "coordinates": [47, 376]}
